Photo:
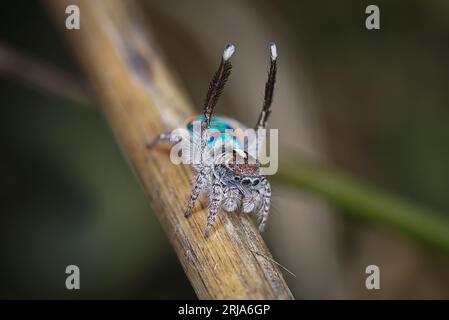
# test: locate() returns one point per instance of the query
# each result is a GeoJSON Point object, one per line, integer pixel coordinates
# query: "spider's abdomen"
{"type": "Point", "coordinates": [222, 130]}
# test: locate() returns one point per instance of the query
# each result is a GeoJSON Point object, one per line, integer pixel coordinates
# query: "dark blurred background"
{"type": "Point", "coordinates": [371, 103]}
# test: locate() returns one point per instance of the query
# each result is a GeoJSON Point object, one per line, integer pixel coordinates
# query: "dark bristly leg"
{"type": "Point", "coordinates": [269, 88]}
{"type": "Point", "coordinates": [215, 199]}
{"type": "Point", "coordinates": [196, 191]}
{"type": "Point", "coordinates": [217, 84]}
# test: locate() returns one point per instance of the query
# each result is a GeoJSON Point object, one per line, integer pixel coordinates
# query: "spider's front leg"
{"type": "Point", "coordinates": [215, 199]}
{"type": "Point", "coordinates": [265, 207]}
{"type": "Point", "coordinates": [198, 187]}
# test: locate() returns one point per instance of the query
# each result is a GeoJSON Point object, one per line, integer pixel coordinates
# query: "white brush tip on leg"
{"type": "Point", "coordinates": [274, 51]}
{"type": "Point", "coordinates": [228, 51]}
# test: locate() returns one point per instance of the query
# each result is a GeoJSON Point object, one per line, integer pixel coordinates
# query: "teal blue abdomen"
{"type": "Point", "coordinates": [221, 131]}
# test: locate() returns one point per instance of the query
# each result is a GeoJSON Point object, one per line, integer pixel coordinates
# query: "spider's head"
{"type": "Point", "coordinates": [244, 172]}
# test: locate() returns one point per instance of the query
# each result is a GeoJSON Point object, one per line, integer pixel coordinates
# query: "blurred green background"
{"type": "Point", "coordinates": [381, 100]}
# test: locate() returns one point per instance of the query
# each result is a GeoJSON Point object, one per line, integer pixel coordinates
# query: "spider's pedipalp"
{"type": "Point", "coordinates": [251, 202]}
{"type": "Point", "coordinates": [231, 199]}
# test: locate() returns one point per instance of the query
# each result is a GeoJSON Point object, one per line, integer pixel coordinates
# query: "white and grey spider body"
{"type": "Point", "coordinates": [226, 171]}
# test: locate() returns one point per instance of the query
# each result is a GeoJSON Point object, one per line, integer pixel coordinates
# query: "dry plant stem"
{"type": "Point", "coordinates": [141, 99]}
{"type": "Point", "coordinates": [41, 75]}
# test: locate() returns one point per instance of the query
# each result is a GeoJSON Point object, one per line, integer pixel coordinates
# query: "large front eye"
{"type": "Point", "coordinates": [255, 182]}
{"type": "Point", "coordinates": [236, 178]}
{"type": "Point", "coordinates": [246, 181]}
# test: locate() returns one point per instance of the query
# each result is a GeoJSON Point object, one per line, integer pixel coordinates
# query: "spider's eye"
{"type": "Point", "coordinates": [246, 181]}
{"type": "Point", "coordinates": [236, 178]}
{"type": "Point", "coordinates": [255, 182]}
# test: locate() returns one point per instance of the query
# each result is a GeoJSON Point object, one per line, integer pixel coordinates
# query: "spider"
{"type": "Point", "coordinates": [231, 178]}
